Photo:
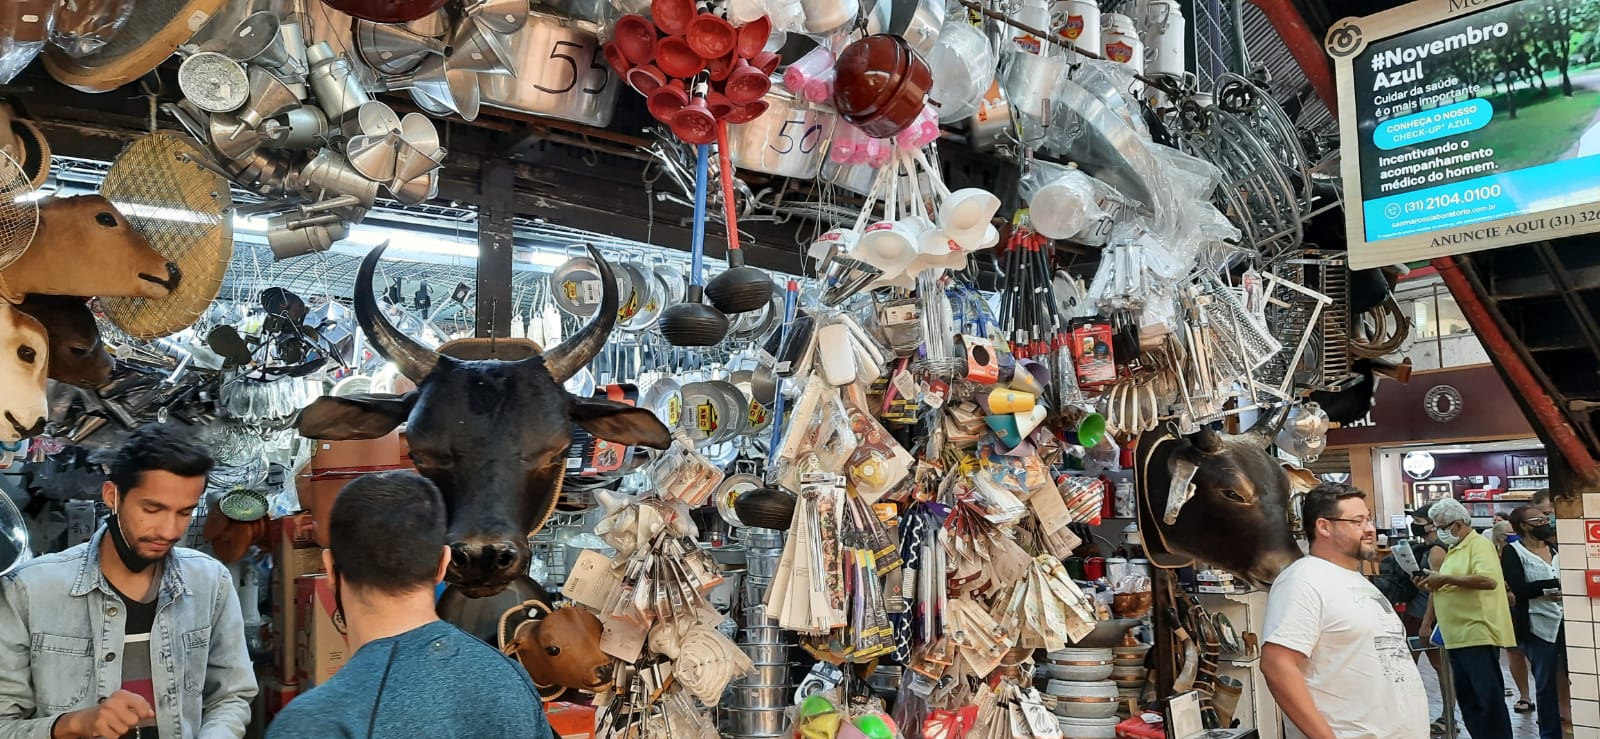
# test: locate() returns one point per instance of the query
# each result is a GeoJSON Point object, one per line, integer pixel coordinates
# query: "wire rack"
{"type": "Point", "coordinates": [1217, 41]}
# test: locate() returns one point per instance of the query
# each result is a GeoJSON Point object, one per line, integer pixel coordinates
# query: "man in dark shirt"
{"type": "Point", "coordinates": [411, 674]}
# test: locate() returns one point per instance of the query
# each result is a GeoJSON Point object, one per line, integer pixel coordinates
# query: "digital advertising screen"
{"type": "Point", "coordinates": [1468, 125]}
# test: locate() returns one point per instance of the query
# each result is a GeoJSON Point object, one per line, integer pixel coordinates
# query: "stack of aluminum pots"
{"type": "Point", "coordinates": [758, 701]}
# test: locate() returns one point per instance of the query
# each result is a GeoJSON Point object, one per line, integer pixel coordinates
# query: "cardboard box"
{"type": "Point", "coordinates": [322, 650]}
{"type": "Point", "coordinates": [296, 553]}
{"type": "Point", "coordinates": [319, 490]}
{"type": "Point", "coordinates": [385, 452]}
{"type": "Point", "coordinates": [570, 720]}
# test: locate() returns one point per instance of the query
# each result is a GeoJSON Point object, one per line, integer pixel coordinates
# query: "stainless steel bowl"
{"type": "Point", "coordinates": [789, 140]}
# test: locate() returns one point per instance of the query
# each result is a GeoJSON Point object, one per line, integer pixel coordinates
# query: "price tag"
{"type": "Point", "coordinates": [622, 639]}
{"type": "Point", "coordinates": [592, 581]}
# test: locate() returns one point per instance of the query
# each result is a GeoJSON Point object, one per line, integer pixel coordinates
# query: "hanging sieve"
{"type": "Point", "coordinates": [182, 209]}
{"type": "Point", "coordinates": [19, 212]}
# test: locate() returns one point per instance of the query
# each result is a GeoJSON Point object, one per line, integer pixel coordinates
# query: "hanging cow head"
{"type": "Point", "coordinates": [84, 246]}
{"type": "Point", "coordinates": [24, 359]}
{"type": "Point", "coordinates": [492, 434]}
{"type": "Point", "coordinates": [1217, 498]}
{"type": "Point", "coordinates": [77, 355]}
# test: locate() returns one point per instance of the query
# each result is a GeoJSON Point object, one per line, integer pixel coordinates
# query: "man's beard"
{"type": "Point", "coordinates": [1365, 552]}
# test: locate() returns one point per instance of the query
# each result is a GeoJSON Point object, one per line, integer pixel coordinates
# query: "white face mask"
{"type": "Point", "coordinates": [1448, 538]}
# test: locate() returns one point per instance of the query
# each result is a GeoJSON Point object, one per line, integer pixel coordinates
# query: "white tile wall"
{"type": "Point", "coordinates": [1573, 582]}
{"type": "Point", "coordinates": [1576, 608]}
{"type": "Point", "coordinates": [1581, 660]}
{"type": "Point", "coordinates": [1585, 687]}
{"type": "Point", "coordinates": [1578, 636]}
{"type": "Point", "coordinates": [1585, 732]}
{"type": "Point", "coordinates": [1585, 713]}
{"type": "Point", "coordinates": [1591, 505]}
{"type": "Point", "coordinates": [1569, 531]}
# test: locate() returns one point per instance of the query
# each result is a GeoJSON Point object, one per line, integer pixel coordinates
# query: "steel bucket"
{"type": "Point", "coordinates": [564, 75]}
{"type": "Point", "coordinates": [789, 140]}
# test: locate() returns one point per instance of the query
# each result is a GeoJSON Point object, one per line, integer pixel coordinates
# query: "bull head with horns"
{"type": "Point", "coordinates": [492, 434]}
{"type": "Point", "coordinates": [1217, 498]}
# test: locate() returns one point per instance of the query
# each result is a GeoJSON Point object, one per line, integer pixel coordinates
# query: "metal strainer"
{"type": "Point", "coordinates": [19, 212]}
{"type": "Point", "coordinates": [184, 211]}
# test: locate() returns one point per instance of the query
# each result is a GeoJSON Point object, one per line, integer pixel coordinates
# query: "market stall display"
{"type": "Point", "coordinates": [883, 496]}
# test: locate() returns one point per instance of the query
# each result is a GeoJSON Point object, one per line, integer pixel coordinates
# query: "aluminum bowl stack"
{"type": "Point", "coordinates": [755, 709]}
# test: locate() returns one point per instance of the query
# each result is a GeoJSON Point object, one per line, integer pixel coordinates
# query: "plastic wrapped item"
{"type": "Point", "coordinates": [85, 26]}
{"type": "Point", "coordinates": [1062, 201]}
{"type": "Point", "coordinates": [963, 66]}
{"type": "Point", "coordinates": [811, 76]}
{"type": "Point", "coordinates": [24, 27]}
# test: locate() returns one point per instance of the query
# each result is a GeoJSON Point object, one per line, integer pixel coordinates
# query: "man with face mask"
{"type": "Point", "coordinates": [1335, 657]}
{"type": "Point", "coordinates": [1469, 604]}
{"type": "Point", "coordinates": [128, 635]}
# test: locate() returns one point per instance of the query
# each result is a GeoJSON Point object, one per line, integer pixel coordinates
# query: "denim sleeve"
{"type": "Point", "coordinates": [230, 678]}
{"type": "Point", "coordinates": [16, 683]}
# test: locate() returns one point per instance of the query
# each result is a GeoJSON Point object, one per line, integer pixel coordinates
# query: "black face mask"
{"type": "Point", "coordinates": [1544, 532]}
{"type": "Point", "coordinates": [1419, 530]}
{"type": "Point", "coordinates": [130, 557]}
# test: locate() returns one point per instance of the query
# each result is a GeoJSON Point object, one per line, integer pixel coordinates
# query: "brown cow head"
{"type": "Point", "coordinates": [492, 434]}
{"type": "Point", "coordinates": [84, 246]}
{"type": "Point", "coordinates": [77, 355]}
{"type": "Point", "coordinates": [1216, 498]}
{"type": "Point", "coordinates": [562, 650]}
{"type": "Point", "coordinates": [24, 360]}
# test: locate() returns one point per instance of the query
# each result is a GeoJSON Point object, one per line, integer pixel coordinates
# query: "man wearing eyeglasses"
{"type": "Point", "coordinates": [1336, 658]}
{"type": "Point", "coordinates": [1470, 607]}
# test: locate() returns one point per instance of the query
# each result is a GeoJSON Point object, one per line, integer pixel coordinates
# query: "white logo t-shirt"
{"type": "Point", "coordinates": [1361, 673]}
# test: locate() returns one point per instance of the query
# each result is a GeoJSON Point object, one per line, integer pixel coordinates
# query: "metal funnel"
{"type": "Point", "coordinates": [269, 98]}
{"type": "Point", "coordinates": [437, 85]}
{"type": "Point", "coordinates": [499, 16]}
{"type": "Point", "coordinates": [416, 191]}
{"type": "Point", "coordinates": [392, 48]}
{"type": "Point", "coordinates": [845, 277]}
{"type": "Point", "coordinates": [475, 48]}
{"type": "Point", "coordinates": [374, 157]}
{"type": "Point", "coordinates": [232, 138]}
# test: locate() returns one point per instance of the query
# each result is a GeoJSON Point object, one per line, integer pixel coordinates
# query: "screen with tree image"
{"type": "Point", "coordinates": [1484, 116]}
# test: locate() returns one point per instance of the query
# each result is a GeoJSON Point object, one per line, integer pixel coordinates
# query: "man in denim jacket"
{"type": "Point", "coordinates": [128, 635]}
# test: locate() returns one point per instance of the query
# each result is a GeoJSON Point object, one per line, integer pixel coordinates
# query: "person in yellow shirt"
{"type": "Point", "coordinates": [1470, 607]}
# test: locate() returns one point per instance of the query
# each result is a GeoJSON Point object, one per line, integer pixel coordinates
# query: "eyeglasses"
{"type": "Point", "coordinates": [1359, 522]}
{"type": "Point", "coordinates": [1533, 522]}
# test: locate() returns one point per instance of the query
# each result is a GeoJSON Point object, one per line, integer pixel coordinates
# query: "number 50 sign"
{"type": "Point", "coordinates": [788, 140]}
{"type": "Point", "coordinates": [561, 73]}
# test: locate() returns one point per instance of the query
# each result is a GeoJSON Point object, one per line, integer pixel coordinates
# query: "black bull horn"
{"type": "Point", "coordinates": [416, 361]}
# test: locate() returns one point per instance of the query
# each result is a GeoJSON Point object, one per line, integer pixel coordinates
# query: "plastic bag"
{"type": "Point", "coordinates": [83, 27]}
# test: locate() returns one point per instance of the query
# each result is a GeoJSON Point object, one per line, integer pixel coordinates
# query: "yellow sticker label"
{"type": "Point", "coordinates": [758, 414]}
{"type": "Point", "coordinates": [674, 411]}
{"type": "Point", "coordinates": [705, 417]}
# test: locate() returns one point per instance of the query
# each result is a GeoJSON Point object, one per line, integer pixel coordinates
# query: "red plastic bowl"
{"type": "Point", "coordinates": [674, 57]}
{"type": "Point", "coordinates": [635, 37]}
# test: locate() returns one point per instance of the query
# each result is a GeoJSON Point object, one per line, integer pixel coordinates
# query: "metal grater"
{"type": "Point", "coordinates": [1296, 312]}
{"type": "Point", "coordinates": [1336, 369]}
{"type": "Point", "coordinates": [1244, 339]}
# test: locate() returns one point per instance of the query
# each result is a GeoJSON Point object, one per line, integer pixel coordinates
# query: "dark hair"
{"type": "Point", "coordinates": [1323, 502]}
{"type": "Point", "coordinates": [386, 530]}
{"type": "Point", "coordinates": [1519, 517]}
{"type": "Point", "coordinates": [1539, 497]}
{"type": "Point", "coordinates": [158, 446]}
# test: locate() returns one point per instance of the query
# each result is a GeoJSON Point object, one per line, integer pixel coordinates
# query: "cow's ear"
{"type": "Point", "coordinates": [360, 416]}
{"type": "Point", "coordinates": [620, 423]}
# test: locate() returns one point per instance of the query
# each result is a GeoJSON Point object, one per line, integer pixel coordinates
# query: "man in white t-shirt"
{"type": "Point", "coordinates": [1336, 657]}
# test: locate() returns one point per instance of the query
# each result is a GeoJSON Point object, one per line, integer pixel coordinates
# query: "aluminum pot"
{"type": "Point", "coordinates": [762, 696]}
{"type": "Point", "coordinates": [564, 74]}
{"type": "Point", "coordinates": [756, 722]}
{"type": "Point", "coordinates": [789, 140]}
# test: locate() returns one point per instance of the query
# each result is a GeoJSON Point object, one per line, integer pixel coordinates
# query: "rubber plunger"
{"type": "Point", "coordinates": [692, 322]}
{"type": "Point", "coordinates": [739, 289]}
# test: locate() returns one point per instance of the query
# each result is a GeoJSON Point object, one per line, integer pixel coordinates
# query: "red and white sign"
{"type": "Point", "coordinates": [1591, 531]}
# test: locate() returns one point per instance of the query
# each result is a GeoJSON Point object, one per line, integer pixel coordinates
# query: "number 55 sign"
{"type": "Point", "coordinates": [560, 73]}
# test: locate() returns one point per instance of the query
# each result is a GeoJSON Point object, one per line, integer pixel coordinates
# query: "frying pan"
{"type": "Point", "coordinates": [652, 298]}
{"type": "Point", "coordinates": [575, 286]}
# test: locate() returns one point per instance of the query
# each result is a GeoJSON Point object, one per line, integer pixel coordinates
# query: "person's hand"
{"type": "Point", "coordinates": [1432, 581]}
{"type": "Point", "coordinates": [115, 716]}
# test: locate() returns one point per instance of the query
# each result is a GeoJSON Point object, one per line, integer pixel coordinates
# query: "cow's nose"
{"type": "Point", "coordinates": [603, 673]}
{"type": "Point", "coordinates": [26, 431]}
{"type": "Point", "coordinates": [485, 560]}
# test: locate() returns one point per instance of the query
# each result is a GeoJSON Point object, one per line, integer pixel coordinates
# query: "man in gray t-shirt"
{"type": "Point", "coordinates": [412, 674]}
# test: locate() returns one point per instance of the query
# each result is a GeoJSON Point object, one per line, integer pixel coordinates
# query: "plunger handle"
{"type": "Point", "coordinates": [735, 256]}
{"type": "Point", "coordinates": [701, 165]}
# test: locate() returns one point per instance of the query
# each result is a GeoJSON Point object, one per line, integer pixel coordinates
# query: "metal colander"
{"type": "Point", "coordinates": [19, 212]}
{"type": "Point", "coordinates": [184, 211]}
